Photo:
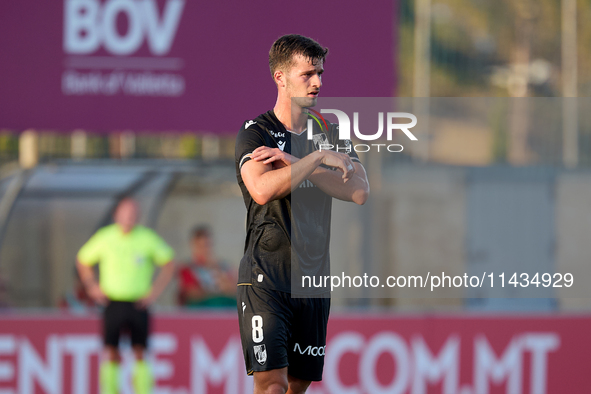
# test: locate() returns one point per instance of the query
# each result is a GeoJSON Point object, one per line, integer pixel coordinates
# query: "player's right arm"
{"type": "Point", "coordinates": [266, 183]}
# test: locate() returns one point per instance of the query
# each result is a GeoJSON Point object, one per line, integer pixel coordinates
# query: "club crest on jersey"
{"type": "Point", "coordinates": [260, 353]}
{"type": "Point", "coordinates": [320, 140]}
{"type": "Point", "coordinates": [248, 124]}
{"type": "Point", "coordinates": [348, 146]}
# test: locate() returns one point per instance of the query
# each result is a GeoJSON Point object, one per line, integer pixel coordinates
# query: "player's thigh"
{"type": "Point", "coordinates": [114, 317]}
{"type": "Point", "coordinates": [139, 325]}
{"type": "Point", "coordinates": [264, 319]}
{"type": "Point", "coordinates": [307, 345]}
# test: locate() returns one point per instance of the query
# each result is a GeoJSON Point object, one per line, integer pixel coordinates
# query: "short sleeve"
{"type": "Point", "coordinates": [249, 138]}
{"type": "Point", "coordinates": [90, 253]}
{"type": "Point", "coordinates": [161, 252]}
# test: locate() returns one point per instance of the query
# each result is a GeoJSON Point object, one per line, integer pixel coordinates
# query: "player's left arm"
{"type": "Point", "coordinates": [330, 182]}
{"type": "Point", "coordinates": [326, 179]}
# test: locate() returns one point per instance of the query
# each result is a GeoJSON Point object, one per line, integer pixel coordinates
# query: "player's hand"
{"type": "Point", "coordinates": [145, 302]}
{"type": "Point", "coordinates": [274, 156]}
{"type": "Point", "coordinates": [97, 295]}
{"type": "Point", "coordinates": [340, 161]}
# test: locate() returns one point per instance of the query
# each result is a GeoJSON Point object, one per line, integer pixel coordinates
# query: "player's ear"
{"type": "Point", "coordinates": [279, 78]}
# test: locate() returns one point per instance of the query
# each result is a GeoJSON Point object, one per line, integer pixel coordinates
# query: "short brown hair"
{"type": "Point", "coordinates": [201, 231]}
{"type": "Point", "coordinates": [286, 47]}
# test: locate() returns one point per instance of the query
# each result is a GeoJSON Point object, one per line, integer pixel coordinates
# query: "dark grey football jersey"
{"type": "Point", "coordinates": [290, 235]}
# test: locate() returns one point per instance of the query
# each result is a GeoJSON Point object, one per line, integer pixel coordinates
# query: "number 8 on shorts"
{"type": "Point", "coordinates": [257, 329]}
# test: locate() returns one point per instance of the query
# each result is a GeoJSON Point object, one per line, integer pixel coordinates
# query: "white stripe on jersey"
{"type": "Point", "coordinates": [244, 157]}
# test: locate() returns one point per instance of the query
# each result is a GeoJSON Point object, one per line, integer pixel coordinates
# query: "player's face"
{"type": "Point", "coordinates": [303, 81]}
{"type": "Point", "coordinates": [126, 215]}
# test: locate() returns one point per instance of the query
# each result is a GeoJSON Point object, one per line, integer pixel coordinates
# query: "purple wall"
{"type": "Point", "coordinates": [176, 64]}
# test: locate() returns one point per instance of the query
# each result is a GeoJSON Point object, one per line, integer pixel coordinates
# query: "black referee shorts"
{"type": "Point", "coordinates": [279, 331]}
{"type": "Point", "coordinates": [125, 317]}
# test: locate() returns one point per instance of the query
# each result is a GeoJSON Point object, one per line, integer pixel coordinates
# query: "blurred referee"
{"type": "Point", "coordinates": [126, 254]}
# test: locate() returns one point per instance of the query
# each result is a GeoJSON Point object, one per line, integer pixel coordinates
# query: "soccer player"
{"type": "Point", "coordinates": [287, 182]}
{"type": "Point", "coordinates": [126, 254]}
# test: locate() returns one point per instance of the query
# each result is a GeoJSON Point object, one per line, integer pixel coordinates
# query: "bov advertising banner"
{"type": "Point", "coordinates": [179, 65]}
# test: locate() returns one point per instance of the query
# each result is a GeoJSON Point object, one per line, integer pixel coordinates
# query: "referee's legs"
{"type": "Point", "coordinates": [109, 371]}
{"type": "Point", "coordinates": [277, 381]}
{"type": "Point", "coordinates": [142, 376]}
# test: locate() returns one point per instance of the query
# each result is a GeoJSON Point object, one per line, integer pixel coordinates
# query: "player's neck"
{"type": "Point", "coordinates": [293, 117]}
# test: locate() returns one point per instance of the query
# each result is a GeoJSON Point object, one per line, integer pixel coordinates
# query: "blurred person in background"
{"type": "Point", "coordinates": [206, 281]}
{"type": "Point", "coordinates": [126, 254]}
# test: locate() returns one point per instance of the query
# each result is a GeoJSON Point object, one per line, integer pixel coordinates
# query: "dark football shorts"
{"type": "Point", "coordinates": [279, 331]}
{"type": "Point", "coordinates": [124, 317]}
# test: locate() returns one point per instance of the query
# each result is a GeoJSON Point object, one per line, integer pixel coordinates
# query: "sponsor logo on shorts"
{"type": "Point", "coordinates": [260, 353]}
{"type": "Point", "coordinates": [310, 351]}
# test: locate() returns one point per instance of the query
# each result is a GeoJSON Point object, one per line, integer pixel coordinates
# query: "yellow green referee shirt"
{"type": "Point", "coordinates": [126, 261]}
